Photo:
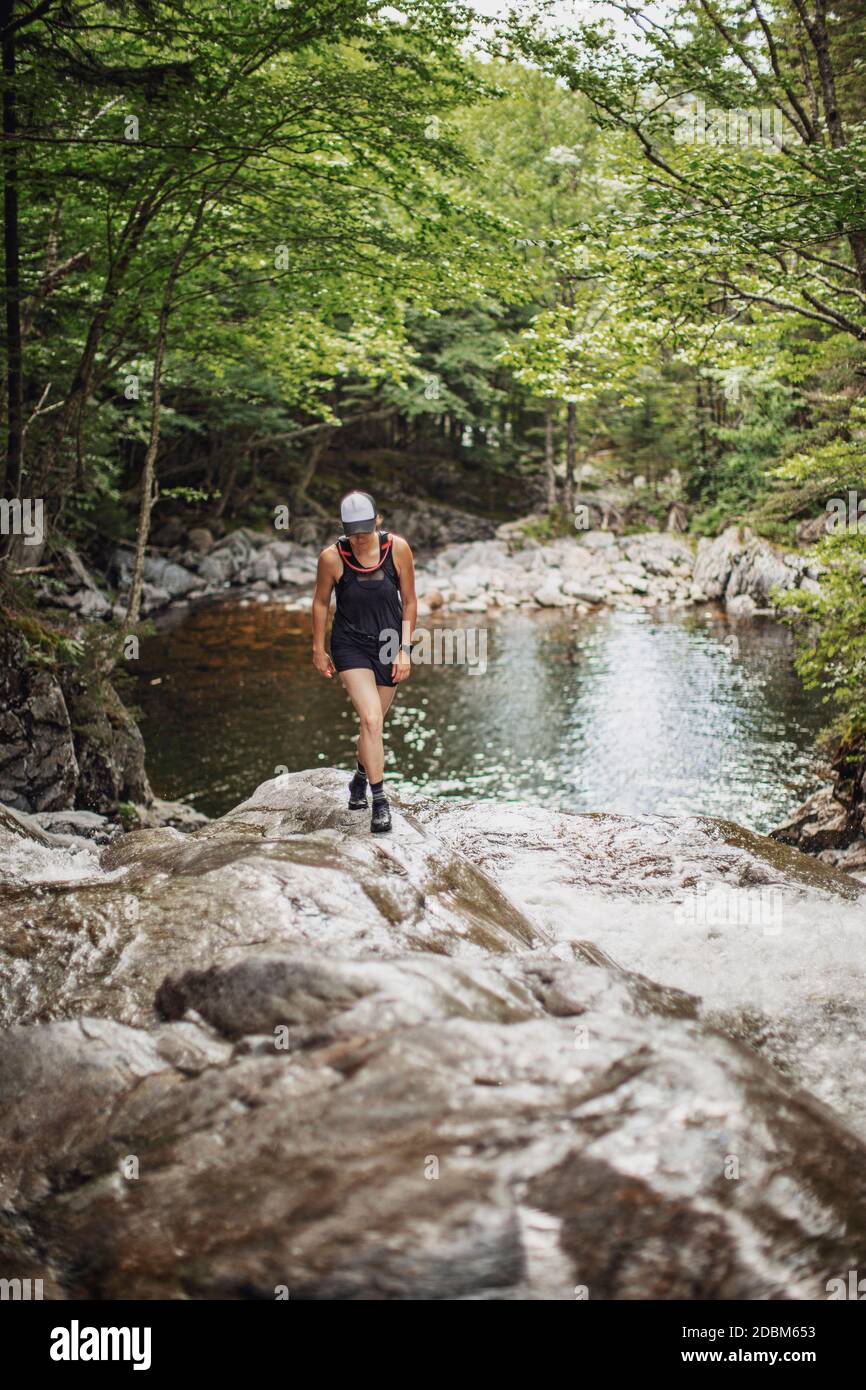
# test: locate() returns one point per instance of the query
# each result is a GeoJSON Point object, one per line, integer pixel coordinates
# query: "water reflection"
{"type": "Point", "coordinates": [623, 711]}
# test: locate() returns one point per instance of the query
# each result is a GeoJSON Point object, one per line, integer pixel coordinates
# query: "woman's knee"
{"type": "Point", "coordinates": [371, 720]}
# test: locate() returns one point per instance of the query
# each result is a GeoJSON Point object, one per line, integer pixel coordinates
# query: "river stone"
{"type": "Point", "coordinates": [433, 1129]}
{"type": "Point", "coordinates": [38, 764]}
{"type": "Point", "coordinates": [265, 568]}
{"type": "Point", "coordinates": [293, 574]}
{"type": "Point", "coordinates": [715, 559]}
{"type": "Point", "coordinates": [583, 590]}
{"type": "Point", "coordinates": [660, 554]}
{"type": "Point", "coordinates": [278, 1053]}
{"type": "Point", "coordinates": [219, 567]}
{"type": "Point", "coordinates": [200, 539]}
{"type": "Point", "coordinates": [161, 575]}
{"type": "Point", "coordinates": [550, 594]}
{"type": "Point", "coordinates": [598, 540]}
{"type": "Point", "coordinates": [821, 823]}
{"type": "Point", "coordinates": [741, 606]}
{"type": "Point", "coordinates": [291, 857]}
{"type": "Point", "coordinates": [758, 573]}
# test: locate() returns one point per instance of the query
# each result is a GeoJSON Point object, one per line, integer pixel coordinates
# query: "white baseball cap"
{"type": "Point", "coordinates": [358, 513]}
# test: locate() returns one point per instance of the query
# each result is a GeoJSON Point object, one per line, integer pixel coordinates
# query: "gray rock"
{"type": "Point", "coordinates": [178, 814]}
{"type": "Point", "coordinates": [161, 576]}
{"type": "Point", "coordinates": [417, 1106]}
{"type": "Point", "coordinates": [821, 823]}
{"type": "Point", "coordinates": [813, 528]}
{"type": "Point", "coordinates": [428, 524]}
{"type": "Point", "coordinates": [759, 572]}
{"type": "Point", "coordinates": [583, 591]}
{"type": "Point", "coordinates": [264, 568]}
{"type": "Point", "coordinates": [368, 1074]}
{"type": "Point", "coordinates": [219, 568]}
{"type": "Point", "coordinates": [291, 857]}
{"type": "Point", "coordinates": [39, 768]}
{"type": "Point", "coordinates": [85, 825]}
{"type": "Point", "coordinates": [90, 603]}
{"type": "Point", "coordinates": [715, 560]}
{"type": "Point", "coordinates": [173, 578]}
{"type": "Point", "coordinates": [597, 540]}
{"type": "Point", "coordinates": [153, 598]}
{"type": "Point", "coordinates": [551, 595]}
{"type": "Point", "coordinates": [201, 539]}
{"type": "Point", "coordinates": [292, 574]}
{"type": "Point", "coordinates": [741, 606]}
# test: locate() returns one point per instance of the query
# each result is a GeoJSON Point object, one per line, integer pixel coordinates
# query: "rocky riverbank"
{"type": "Point", "coordinates": [75, 757]}
{"type": "Point", "coordinates": [598, 567]}
{"type": "Point", "coordinates": [71, 754]}
{"type": "Point", "coordinates": [505, 570]}
{"type": "Point", "coordinates": [461, 1096]}
{"type": "Point", "coordinates": [831, 824]}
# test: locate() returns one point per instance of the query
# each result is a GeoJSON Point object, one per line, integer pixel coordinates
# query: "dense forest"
{"type": "Point", "coordinates": [253, 251]}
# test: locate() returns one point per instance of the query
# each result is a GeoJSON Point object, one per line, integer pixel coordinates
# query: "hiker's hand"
{"type": "Point", "coordinates": [323, 664]}
{"type": "Point", "coordinates": [402, 668]}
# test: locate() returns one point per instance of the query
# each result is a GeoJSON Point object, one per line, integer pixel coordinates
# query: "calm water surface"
{"type": "Point", "coordinates": [626, 711]}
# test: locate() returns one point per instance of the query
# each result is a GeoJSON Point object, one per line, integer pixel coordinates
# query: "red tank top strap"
{"type": "Point", "coordinates": [346, 553]}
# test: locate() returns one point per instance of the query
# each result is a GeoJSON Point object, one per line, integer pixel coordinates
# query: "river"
{"type": "Point", "coordinates": [626, 710]}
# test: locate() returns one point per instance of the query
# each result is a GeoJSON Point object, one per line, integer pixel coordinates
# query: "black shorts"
{"type": "Point", "coordinates": [350, 655]}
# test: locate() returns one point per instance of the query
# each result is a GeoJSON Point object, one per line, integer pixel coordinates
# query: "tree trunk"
{"type": "Point", "coordinates": [550, 458]}
{"type": "Point", "coordinates": [570, 455]}
{"type": "Point", "coordinates": [148, 476]}
{"type": "Point", "coordinates": [13, 466]}
{"type": "Point", "coordinates": [318, 449]}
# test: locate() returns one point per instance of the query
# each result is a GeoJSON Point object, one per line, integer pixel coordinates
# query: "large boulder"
{"type": "Point", "coordinates": [715, 559]}
{"type": "Point", "coordinates": [292, 857]}
{"type": "Point", "coordinates": [427, 525]}
{"type": "Point", "coordinates": [38, 763]}
{"type": "Point", "coordinates": [66, 740]}
{"type": "Point", "coordinates": [758, 573]}
{"type": "Point", "coordinates": [158, 571]}
{"type": "Point", "coordinates": [283, 1057]}
{"type": "Point", "coordinates": [416, 1129]}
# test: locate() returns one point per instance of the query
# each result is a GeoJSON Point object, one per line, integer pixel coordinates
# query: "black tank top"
{"type": "Point", "coordinates": [368, 600]}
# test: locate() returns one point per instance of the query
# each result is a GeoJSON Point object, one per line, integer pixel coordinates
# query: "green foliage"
{"type": "Point", "coordinates": [336, 218]}
{"type": "Point", "coordinates": [832, 656]}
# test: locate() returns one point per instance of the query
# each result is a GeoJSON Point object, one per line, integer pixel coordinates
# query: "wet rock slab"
{"type": "Point", "coordinates": [434, 1129]}
{"type": "Point", "coordinates": [290, 866]}
{"type": "Point", "coordinates": [317, 1063]}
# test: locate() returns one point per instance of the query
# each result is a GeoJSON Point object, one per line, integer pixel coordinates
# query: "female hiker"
{"type": "Point", "coordinates": [374, 577]}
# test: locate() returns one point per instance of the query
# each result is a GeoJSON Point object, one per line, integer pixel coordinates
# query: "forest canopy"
{"type": "Point", "coordinates": [539, 249]}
